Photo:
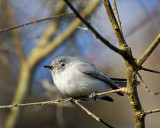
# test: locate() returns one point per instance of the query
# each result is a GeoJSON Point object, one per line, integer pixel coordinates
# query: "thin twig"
{"type": "Point", "coordinates": [34, 104]}
{"type": "Point", "coordinates": [90, 27]}
{"type": "Point", "coordinates": [152, 111]}
{"type": "Point", "coordinates": [145, 86]}
{"type": "Point", "coordinates": [91, 114]}
{"type": "Point", "coordinates": [149, 70]}
{"type": "Point", "coordinates": [123, 90]}
{"type": "Point", "coordinates": [148, 52]}
{"type": "Point", "coordinates": [115, 26]}
{"type": "Point", "coordinates": [117, 15]}
{"type": "Point", "coordinates": [34, 22]}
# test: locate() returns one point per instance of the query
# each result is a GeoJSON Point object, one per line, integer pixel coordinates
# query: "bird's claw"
{"type": "Point", "coordinates": [94, 96]}
{"type": "Point", "coordinates": [72, 100]}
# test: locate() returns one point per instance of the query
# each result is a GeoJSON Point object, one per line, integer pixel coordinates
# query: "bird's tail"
{"type": "Point", "coordinates": [122, 82]}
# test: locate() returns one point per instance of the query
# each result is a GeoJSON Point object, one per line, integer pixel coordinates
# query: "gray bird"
{"type": "Point", "coordinates": [76, 78]}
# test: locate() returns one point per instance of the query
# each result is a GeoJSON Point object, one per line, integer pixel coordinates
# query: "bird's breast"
{"type": "Point", "coordinates": [74, 83]}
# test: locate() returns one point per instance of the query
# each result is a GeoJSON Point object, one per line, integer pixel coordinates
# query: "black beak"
{"type": "Point", "coordinates": [46, 66]}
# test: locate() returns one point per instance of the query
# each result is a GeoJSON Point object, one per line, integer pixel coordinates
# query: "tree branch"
{"type": "Point", "coordinates": [91, 114]}
{"type": "Point", "coordinates": [116, 28]}
{"type": "Point", "coordinates": [145, 86]}
{"type": "Point", "coordinates": [35, 104]}
{"type": "Point", "coordinates": [148, 52]}
{"type": "Point", "coordinates": [60, 100]}
{"type": "Point", "coordinates": [33, 22]}
{"type": "Point", "coordinates": [149, 70]}
{"type": "Point", "coordinates": [152, 111]}
{"type": "Point", "coordinates": [123, 90]}
{"type": "Point", "coordinates": [90, 27]}
{"type": "Point", "coordinates": [134, 99]}
{"type": "Point", "coordinates": [117, 15]}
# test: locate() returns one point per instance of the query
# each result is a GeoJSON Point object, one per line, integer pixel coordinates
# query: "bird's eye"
{"type": "Point", "coordinates": [63, 65]}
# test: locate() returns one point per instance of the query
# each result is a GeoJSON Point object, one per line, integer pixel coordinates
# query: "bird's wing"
{"type": "Point", "coordinates": [92, 71]}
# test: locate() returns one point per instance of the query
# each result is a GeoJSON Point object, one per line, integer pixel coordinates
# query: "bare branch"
{"type": "Point", "coordinates": [134, 99]}
{"type": "Point", "coordinates": [34, 22]}
{"type": "Point", "coordinates": [127, 53]}
{"type": "Point", "coordinates": [117, 15]}
{"type": "Point", "coordinates": [60, 100]}
{"type": "Point", "coordinates": [145, 86]}
{"type": "Point", "coordinates": [117, 31]}
{"type": "Point", "coordinates": [148, 52]}
{"type": "Point", "coordinates": [91, 114]}
{"type": "Point", "coordinates": [90, 27]}
{"type": "Point", "coordinates": [123, 90]}
{"type": "Point", "coordinates": [35, 104]}
{"type": "Point", "coordinates": [152, 111]}
{"type": "Point", "coordinates": [149, 70]}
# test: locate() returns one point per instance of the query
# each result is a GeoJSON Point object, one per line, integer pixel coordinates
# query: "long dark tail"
{"type": "Point", "coordinates": [122, 82]}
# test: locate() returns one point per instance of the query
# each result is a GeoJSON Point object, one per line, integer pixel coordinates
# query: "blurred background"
{"type": "Point", "coordinates": [24, 51]}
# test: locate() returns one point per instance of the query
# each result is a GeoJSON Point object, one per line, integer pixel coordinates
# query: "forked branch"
{"type": "Point", "coordinates": [115, 26]}
{"type": "Point", "coordinates": [148, 52]}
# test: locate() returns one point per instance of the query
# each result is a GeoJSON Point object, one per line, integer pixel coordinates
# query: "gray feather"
{"type": "Point", "coordinates": [92, 71]}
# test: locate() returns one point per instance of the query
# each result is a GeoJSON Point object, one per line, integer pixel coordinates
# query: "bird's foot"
{"type": "Point", "coordinates": [94, 96]}
{"type": "Point", "coordinates": [72, 100]}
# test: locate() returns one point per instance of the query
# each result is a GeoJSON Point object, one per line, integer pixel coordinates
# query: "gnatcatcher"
{"type": "Point", "coordinates": [77, 78]}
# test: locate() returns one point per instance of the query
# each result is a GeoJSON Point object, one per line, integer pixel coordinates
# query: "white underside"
{"type": "Point", "coordinates": [78, 85]}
